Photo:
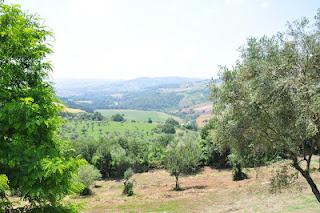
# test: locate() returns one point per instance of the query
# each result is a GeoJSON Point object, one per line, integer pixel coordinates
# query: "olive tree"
{"type": "Point", "coordinates": [31, 155]}
{"type": "Point", "coordinates": [183, 157]}
{"type": "Point", "coordinates": [87, 175]}
{"type": "Point", "coordinates": [270, 100]}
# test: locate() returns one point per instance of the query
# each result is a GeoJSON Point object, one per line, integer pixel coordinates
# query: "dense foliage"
{"type": "Point", "coordinates": [269, 103]}
{"type": "Point", "coordinates": [95, 116]}
{"type": "Point", "coordinates": [167, 128]}
{"type": "Point", "coordinates": [143, 100]}
{"type": "Point", "coordinates": [114, 154]}
{"type": "Point", "coordinates": [32, 156]}
{"type": "Point", "coordinates": [4, 187]}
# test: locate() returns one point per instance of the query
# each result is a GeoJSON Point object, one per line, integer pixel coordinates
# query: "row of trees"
{"type": "Point", "coordinates": [114, 156]}
{"type": "Point", "coordinates": [83, 116]}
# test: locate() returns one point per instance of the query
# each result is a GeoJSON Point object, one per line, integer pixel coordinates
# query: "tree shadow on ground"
{"type": "Point", "coordinates": [190, 187]}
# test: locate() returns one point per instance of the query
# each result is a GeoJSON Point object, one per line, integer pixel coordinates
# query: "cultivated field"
{"type": "Point", "coordinates": [138, 115]}
{"type": "Point", "coordinates": [72, 110]}
{"type": "Point", "coordinates": [96, 129]}
{"type": "Point", "coordinates": [210, 191]}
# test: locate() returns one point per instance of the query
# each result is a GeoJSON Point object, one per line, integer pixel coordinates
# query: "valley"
{"type": "Point", "coordinates": [160, 114]}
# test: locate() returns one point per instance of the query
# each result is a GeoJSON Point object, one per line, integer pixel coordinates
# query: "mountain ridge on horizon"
{"type": "Point", "coordinates": [134, 84]}
{"type": "Point", "coordinates": [158, 93]}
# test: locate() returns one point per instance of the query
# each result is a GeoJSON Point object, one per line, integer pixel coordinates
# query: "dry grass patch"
{"type": "Point", "coordinates": [209, 191]}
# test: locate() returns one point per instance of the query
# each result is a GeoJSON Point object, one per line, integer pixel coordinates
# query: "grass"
{"type": "Point", "coordinates": [210, 191]}
{"type": "Point", "coordinates": [139, 115]}
{"type": "Point", "coordinates": [303, 203]}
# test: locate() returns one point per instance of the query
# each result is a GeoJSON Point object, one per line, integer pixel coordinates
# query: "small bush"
{"type": "Point", "coordinates": [128, 188]}
{"type": "Point", "coordinates": [117, 118]}
{"type": "Point", "coordinates": [283, 178]}
{"type": "Point", "coordinates": [191, 126]}
{"type": "Point", "coordinates": [172, 122]}
{"type": "Point", "coordinates": [128, 183]}
{"type": "Point", "coordinates": [167, 129]}
{"type": "Point", "coordinates": [102, 160]}
{"type": "Point", "coordinates": [237, 173]}
{"type": "Point", "coordinates": [87, 175]}
{"type": "Point", "coordinates": [70, 208]}
{"type": "Point", "coordinates": [4, 202]}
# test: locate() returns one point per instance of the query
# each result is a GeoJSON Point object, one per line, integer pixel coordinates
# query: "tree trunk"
{"type": "Point", "coordinates": [177, 183]}
{"type": "Point", "coordinates": [312, 185]}
{"type": "Point", "coordinates": [306, 175]}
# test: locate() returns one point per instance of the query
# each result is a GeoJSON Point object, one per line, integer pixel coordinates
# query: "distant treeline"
{"type": "Point", "coordinates": [146, 100]}
{"type": "Point", "coordinates": [95, 116]}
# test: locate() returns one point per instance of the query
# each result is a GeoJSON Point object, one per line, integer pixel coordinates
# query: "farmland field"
{"type": "Point", "coordinates": [139, 115]}
{"type": "Point", "coordinates": [94, 129]}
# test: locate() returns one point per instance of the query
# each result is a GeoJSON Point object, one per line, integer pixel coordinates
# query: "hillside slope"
{"type": "Point", "coordinates": [159, 94]}
{"type": "Point", "coordinates": [210, 191]}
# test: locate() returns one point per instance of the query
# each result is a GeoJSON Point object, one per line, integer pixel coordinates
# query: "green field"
{"type": "Point", "coordinates": [94, 129]}
{"type": "Point", "coordinates": [139, 115]}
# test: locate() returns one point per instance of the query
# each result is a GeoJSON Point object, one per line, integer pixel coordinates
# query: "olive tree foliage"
{"type": "Point", "coordinates": [270, 100]}
{"type": "Point", "coordinates": [128, 182]}
{"type": "Point", "coordinates": [31, 154]}
{"type": "Point", "coordinates": [87, 175]}
{"type": "Point", "coordinates": [3, 188]}
{"type": "Point", "coordinates": [183, 157]}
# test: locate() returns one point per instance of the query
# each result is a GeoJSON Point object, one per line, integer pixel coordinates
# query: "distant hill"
{"type": "Point", "coordinates": [72, 87]}
{"type": "Point", "coordinates": [169, 94]}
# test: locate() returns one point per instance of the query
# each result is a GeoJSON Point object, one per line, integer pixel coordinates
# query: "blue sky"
{"type": "Point", "coordinates": [123, 39]}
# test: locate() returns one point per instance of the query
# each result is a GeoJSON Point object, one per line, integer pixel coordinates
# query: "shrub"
{"type": "Point", "coordinates": [172, 122]}
{"type": "Point", "coordinates": [168, 129]}
{"type": "Point", "coordinates": [282, 179]}
{"type": "Point", "coordinates": [86, 149]}
{"type": "Point", "coordinates": [192, 125]}
{"type": "Point", "coordinates": [87, 175]}
{"type": "Point", "coordinates": [237, 173]}
{"type": "Point", "coordinates": [128, 183]}
{"type": "Point", "coordinates": [70, 208]}
{"type": "Point", "coordinates": [102, 160]}
{"type": "Point", "coordinates": [4, 202]}
{"type": "Point", "coordinates": [117, 118]}
{"type": "Point", "coordinates": [149, 120]}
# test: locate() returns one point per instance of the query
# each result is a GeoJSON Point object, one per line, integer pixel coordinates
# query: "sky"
{"type": "Point", "coordinates": [125, 39]}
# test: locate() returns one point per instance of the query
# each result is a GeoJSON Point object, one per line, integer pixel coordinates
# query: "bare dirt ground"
{"type": "Point", "coordinates": [203, 119]}
{"type": "Point", "coordinates": [209, 191]}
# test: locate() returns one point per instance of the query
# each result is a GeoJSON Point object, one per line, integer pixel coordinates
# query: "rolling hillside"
{"type": "Point", "coordinates": [156, 94]}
